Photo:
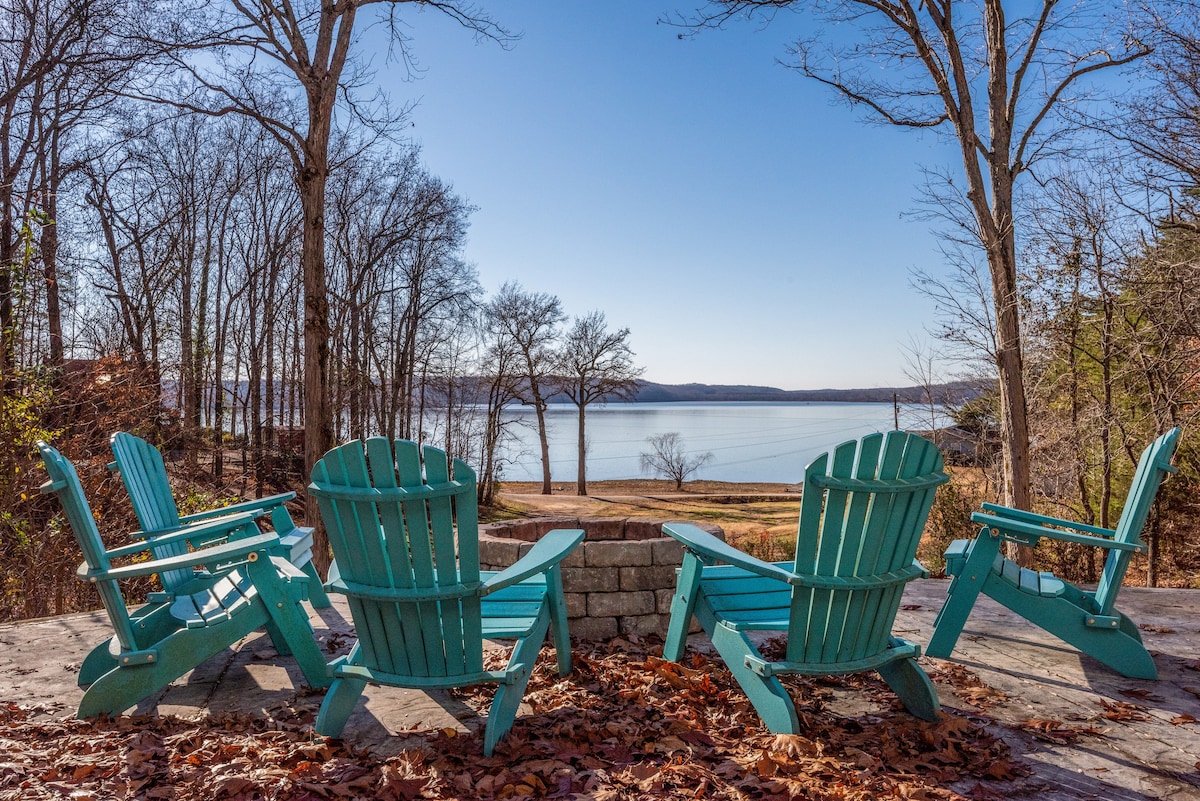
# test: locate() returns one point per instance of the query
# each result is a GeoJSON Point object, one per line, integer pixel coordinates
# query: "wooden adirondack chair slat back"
{"type": "Point", "coordinates": [1153, 466]}
{"type": "Point", "coordinates": [864, 528]}
{"type": "Point", "coordinates": [392, 526]}
{"type": "Point", "coordinates": [144, 474]}
{"type": "Point", "coordinates": [64, 481]}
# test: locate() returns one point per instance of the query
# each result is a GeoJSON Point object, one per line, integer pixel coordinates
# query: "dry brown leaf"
{"type": "Point", "coordinates": [624, 724]}
{"type": "Point", "coordinates": [981, 696]}
{"type": "Point", "coordinates": [1122, 710]}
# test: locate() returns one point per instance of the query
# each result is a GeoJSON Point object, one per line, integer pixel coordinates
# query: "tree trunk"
{"type": "Point", "coordinates": [539, 405]}
{"type": "Point", "coordinates": [318, 422]}
{"type": "Point", "coordinates": [581, 481]}
{"type": "Point", "coordinates": [51, 173]}
{"type": "Point", "coordinates": [1014, 422]}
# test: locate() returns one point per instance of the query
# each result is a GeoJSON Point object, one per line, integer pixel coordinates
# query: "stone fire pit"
{"type": "Point", "coordinates": [618, 581]}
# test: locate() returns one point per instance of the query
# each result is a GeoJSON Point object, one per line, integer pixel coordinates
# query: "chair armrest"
{"type": "Point", "coordinates": [218, 554]}
{"type": "Point", "coordinates": [701, 543]}
{"type": "Point", "coordinates": [1043, 520]}
{"type": "Point", "coordinates": [257, 504]}
{"type": "Point", "coordinates": [545, 554]}
{"type": "Point", "coordinates": [209, 531]}
{"type": "Point", "coordinates": [1028, 534]}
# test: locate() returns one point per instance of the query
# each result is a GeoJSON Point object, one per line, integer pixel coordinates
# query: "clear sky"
{"type": "Point", "coordinates": [746, 228]}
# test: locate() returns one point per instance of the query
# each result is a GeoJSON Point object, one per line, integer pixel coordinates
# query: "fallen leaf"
{"type": "Point", "coordinates": [1122, 710]}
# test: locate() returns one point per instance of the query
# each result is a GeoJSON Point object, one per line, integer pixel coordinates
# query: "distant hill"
{"type": "Point", "coordinates": [649, 392]}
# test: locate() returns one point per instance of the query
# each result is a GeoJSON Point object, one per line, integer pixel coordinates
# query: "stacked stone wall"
{"type": "Point", "coordinates": [619, 581]}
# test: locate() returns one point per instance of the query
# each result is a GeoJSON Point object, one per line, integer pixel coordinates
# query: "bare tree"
{"type": "Point", "coordinates": [252, 54]}
{"type": "Point", "coordinates": [996, 82]}
{"type": "Point", "coordinates": [668, 458]}
{"type": "Point", "coordinates": [530, 320]}
{"type": "Point", "coordinates": [501, 368]}
{"type": "Point", "coordinates": [58, 59]}
{"type": "Point", "coordinates": [596, 364]}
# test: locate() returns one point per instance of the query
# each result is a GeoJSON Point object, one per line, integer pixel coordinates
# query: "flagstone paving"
{"type": "Point", "coordinates": [1085, 731]}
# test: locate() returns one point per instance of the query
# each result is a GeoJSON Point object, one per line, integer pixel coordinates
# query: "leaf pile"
{"type": "Point", "coordinates": [624, 725]}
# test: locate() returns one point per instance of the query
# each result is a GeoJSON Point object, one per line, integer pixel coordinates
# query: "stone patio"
{"type": "Point", "coordinates": [1039, 677]}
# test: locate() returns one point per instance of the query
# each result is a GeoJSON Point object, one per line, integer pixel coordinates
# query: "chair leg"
{"type": "Point", "coordinates": [1127, 626]}
{"type": "Point", "coordinates": [508, 696]}
{"type": "Point", "coordinates": [289, 623]}
{"type": "Point", "coordinates": [123, 687]}
{"type": "Point", "coordinates": [181, 651]}
{"type": "Point", "coordinates": [338, 704]}
{"type": "Point", "coordinates": [962, 595]}
{"type": "Point", "coordinates": [1122, 653]}
{"type": "Point", "coordinates": [558, 620]}
{"type": "Point", "coordinates": [278, 640]}
{"type": "Point", "coordinates": [766, 693]}
{"type": "Point", "coordinates": [683, 606]}
{"type": "Point", "coordinates": [98, 662]}
{"type": "Point", "coordinates": [912, 684]}
{"type": "Point", "coordinates": [316, 590]}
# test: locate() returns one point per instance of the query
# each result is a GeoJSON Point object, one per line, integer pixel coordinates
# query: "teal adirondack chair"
{"type": "Point", "coordinates": [145, 477]}
{"type": "Point", "coordinates": [1087, 620]}
{"type": "Point", "coordinates": [157, 643]}
{"type": "Point", "coordinates": [406, 545]}
{"type": "Point", "coordinates": [861, 517]}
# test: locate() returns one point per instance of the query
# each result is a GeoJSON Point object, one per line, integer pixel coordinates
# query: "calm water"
{"type": "Point", "coordinates": [748, 441]}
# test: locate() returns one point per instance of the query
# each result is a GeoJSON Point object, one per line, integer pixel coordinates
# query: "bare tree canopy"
{"type": "Point", "coordinates": [236, 62]}
{"type": "Point", "coordinates": [993, 78]}
{"type": "Point", "coordinates": [667, 457]}
{"type": "Point", "coordinates": [530, 322]}
{"type": "Point", "coordinates": [596, 364]}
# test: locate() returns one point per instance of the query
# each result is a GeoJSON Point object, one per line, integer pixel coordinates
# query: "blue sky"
{"type": "Point", "coordinates": [743, 226]}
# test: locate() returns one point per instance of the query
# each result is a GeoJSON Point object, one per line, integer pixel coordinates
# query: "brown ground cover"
{"type": "Point", "coordinates": [624, 725]}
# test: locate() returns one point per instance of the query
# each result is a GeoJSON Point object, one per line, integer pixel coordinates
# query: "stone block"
{"type": "Point", "coordinates": [498, 552]}
{"type": "Point", "coordinates": [603, 528]}
{"type": "Point", "coordinates": [644, 624]}
{"type": "Point", "coordinates": [594, 629]}
{"type": "Point", "coordinates": [575, 558]}
{"type": "Point", "coordinates": [636, 529]}
{"type": "Point", "coordinates": [576, 604]}
{"type": "Point", "coordinates": [652, 578]}
{"type": "Point", "coordinates": [662, 601]}
{"type": "Point", "coordinates": [542, 525]}
{"type": "Point", "coordinates": [591, 579]}
{"type": "Point", "coordinates": [620, 604]}
{"type": "Point", "coordinates": [619, 554]}
{"type": "Point", "coordinates": [523, 530]}
{"type": "Point", "coordinates": [667, 552]}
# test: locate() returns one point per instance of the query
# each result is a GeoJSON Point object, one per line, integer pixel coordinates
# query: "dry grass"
{"type": "Point", "coordinates": [760, 518]}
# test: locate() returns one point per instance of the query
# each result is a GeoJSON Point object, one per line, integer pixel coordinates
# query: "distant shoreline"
{"type": "Point", "coordinates": [941, 394]}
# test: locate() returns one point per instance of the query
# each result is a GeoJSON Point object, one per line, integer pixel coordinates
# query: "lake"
{"type": "Point", "coordinates": [748, 441]}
